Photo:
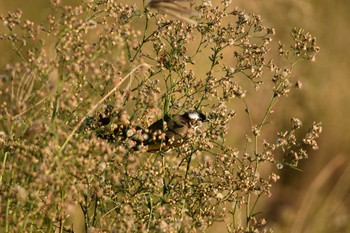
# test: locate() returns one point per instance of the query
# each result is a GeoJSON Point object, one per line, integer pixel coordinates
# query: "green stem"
{"type": "Point", "coordinates": [188, 165]}
{"type": "Point", "coordinates": [7, 216]}
{"type": "Point", "coordinates": [3, 166]}
{"type": "Point", "coordinates": [254, 205]}
{"type": "Point", "coordinates": [150, 203]}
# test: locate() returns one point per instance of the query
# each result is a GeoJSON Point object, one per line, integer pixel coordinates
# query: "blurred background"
{"type": "Point", "coordinates": [318, 198]}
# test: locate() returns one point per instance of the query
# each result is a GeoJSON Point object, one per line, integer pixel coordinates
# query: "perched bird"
{"type": "Point", "coordinates": [164, 134]}
{"type": "Point", "coordinates": [170, 131]}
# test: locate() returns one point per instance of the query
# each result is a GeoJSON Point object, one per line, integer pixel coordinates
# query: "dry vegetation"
{"type": "Point", "coordinates": [57, 177]}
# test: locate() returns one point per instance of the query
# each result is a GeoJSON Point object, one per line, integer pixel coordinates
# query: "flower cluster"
{"type": "Point", "coordinates": [91, 75]}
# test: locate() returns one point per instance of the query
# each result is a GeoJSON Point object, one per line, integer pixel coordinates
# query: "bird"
{"type": "Point", "coordinates": [162, 135]}
{"type": "Point", "coordinates": [170, 131]}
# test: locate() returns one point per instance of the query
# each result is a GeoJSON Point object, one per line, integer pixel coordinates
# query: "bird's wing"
{"type": "Point", "coordinates": [159, 124]}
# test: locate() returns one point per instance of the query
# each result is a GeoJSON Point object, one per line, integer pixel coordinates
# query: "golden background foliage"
{"type": "Point", "coordinates": [317, 199]}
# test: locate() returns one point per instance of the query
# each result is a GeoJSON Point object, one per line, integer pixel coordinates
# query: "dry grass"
{"type": "Point", "coordinates": [214, 58]}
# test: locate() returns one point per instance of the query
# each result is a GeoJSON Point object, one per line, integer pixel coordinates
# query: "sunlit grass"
{"type": "Point", "coordinates": [83, 58]}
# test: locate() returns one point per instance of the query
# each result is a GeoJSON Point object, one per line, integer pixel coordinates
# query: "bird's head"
{"type": "Point", "coordinates": [195, 116]}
